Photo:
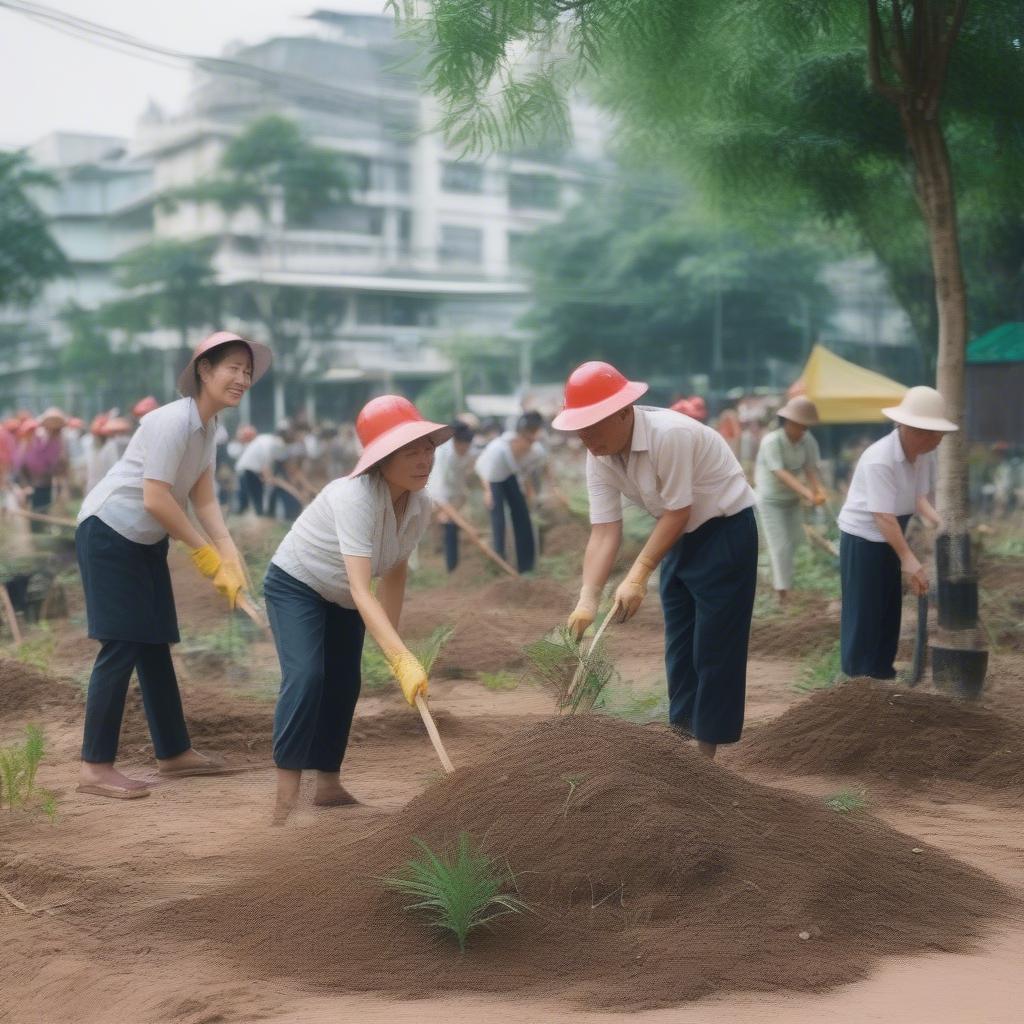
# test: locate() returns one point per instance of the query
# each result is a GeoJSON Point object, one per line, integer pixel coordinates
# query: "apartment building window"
{"type": "Point", "coordinates": [358, 220]}
{"type": "Point", "coordinates": [457, 176]}
{"type": "Point", "coordinates": [461, 244]}
{"type": "Point", "coordinates": [357, 171]}
{"type": "Point", "coordinates": [518, 247]}
{"type": "Point", "coordinates": [533, 191]}
{"type": "Point", "coordinates": [394, 311]}
{"type": "Point", "coordinates": [371, 310]}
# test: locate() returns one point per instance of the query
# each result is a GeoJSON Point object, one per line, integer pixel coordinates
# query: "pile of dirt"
{"type": "Point", "coordinates": [799, 631]}
{"type": "Point", "coordinates": [652, 877]}
{"type": "Point", "coordinates": [25, 690]}
{"type": "Point", "coordinates": [874, 730]}
{"type": "Point", "coordinates": [492, 623]}
{"type": "Point", "coordinates": [566, 537]}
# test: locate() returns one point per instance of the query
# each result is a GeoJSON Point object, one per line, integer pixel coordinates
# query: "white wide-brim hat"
{"type": "Point", "coordinates": [924, 408]}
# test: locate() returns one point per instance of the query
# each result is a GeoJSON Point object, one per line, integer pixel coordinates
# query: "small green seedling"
{"type": "Point", "coordinates": [554, 661]}
{"type": "Point", "coordinates": [820, 671]}
{"type": "Point", "coordinates": [846, 801]}
{"type": "Point", "coordinates": [460, 889]}
{"type": "Point", "coordinates": [499, 680]}
{"type": "Point", "coordinates": [19, 765]}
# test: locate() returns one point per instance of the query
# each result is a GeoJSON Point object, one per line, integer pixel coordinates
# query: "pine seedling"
{"type": "Point", "coordinates": [34, 749]}
{"type": "Point", "coordinates": [430, 649]}
{"type": "Point", "coordinates": [460, 889]}
{"type": "Point", "coordinates": [557, 659]}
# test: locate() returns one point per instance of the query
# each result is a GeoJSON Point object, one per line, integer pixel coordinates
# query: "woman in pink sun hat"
{"type": "Point", "coordinates": [124, 529]}
{"type": "Point", "coordinates": [319, 598]}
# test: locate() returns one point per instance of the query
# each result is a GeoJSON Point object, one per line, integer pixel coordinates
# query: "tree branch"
{"type": "Point", "coordinates": [876, 42]}
{"type": "Point", "coordinates": [940, 62]}
{"type": "Point", "coordinates": [900, 56]}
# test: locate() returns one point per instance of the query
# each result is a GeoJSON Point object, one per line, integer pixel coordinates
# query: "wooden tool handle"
{"type": "Point", "coordinates": [467, 529]}
{"type": "Point", "coordinates": [39, 517]}
{"type": "Point", "coordinates": [244, 604]}
{"type": "Point", "coordinates": [582, 667]}
{"type": "Point", "coordinates": [9, 614]}
{"type": "Point", "coordinates": [435, 737]}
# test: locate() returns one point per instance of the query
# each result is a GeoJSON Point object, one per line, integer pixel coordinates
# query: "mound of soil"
{"type": "Point", "coordinates": [652, 877]}
{"type": "Point", "coordinates": [492, 623]}
{"type": "Point", "coordinates": [25, 690]}
{"type": "Point", "coordinates": [798, 632]}
{"type": "Point", "coordinates": [874, 730]}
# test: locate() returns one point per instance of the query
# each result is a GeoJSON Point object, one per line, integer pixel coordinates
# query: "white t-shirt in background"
{"type": "Point", "coordinates": [261, 453]}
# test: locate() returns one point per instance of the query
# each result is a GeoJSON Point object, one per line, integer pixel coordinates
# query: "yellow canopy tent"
{"type": "Point", "coordinates": [845, 392]}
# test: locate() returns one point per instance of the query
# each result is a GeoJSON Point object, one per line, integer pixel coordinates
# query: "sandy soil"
{"type": "Point", "coordinates": [69, 959]}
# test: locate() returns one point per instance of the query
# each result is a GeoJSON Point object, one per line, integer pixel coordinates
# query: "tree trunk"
{"type": "Point", "coordinates": [959, 658]}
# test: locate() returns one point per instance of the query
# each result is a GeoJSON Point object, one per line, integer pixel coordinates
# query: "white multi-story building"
{"type": "Point", "coordinates": [426, 250]}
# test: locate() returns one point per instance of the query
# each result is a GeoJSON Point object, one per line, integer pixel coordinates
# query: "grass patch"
{"type": "Point", "coordinates": [38, 648]}
{"type": "Point", "coordinates": [376, 672]}
{"type": "Point", "coordinates": [815, 570]}
{"type": "Point", "coordinates": [1009, 546]}
{"type": "Point", "coordinates": [499, 680]}
{"type": "Point", "coordinates": [19, 764]}
{"type": "Point", "coordinates": [820, 670]}
{"type": "Point", "coordinates": [459, 890]}
{"type": "Point", "coordinates": [846, 801]}
{"type": "Point", "coordinates": [636, 706]}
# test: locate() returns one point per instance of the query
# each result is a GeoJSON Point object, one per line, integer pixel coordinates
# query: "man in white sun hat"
{"type": "Point", "coordinates": [894, 479]}
{"type": "Point", "coordinates": [704, 538]}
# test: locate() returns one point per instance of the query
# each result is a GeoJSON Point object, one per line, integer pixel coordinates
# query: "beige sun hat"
{"type": "Point", "coordinates": [53, 418]}
{"type": "Point", "coordinates": [924, 408]}
{"type": "Point", "coordinates": [800, 409]}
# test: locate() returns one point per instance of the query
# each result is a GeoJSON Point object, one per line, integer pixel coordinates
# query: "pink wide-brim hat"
{"type": "Point", "coordinates": [262, 357]}
{"type": "Point", "coordinates": [390, 422]}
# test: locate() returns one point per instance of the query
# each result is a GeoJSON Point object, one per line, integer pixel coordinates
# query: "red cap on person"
{"type": "Point", "coordinates": [144, 405]}
{"type": "Point", "coordinates": [388, 423]}
{"type": "Point", "coordinates": [115, 425]}
{"type": "Point", "coordinates": [685, 406]}
{"type": "Point", "coordinates": [699, 407]}
{"type": "Point", "coordinates": [593, 392]}
{"type": "Point", "coordinates": [26, 427]}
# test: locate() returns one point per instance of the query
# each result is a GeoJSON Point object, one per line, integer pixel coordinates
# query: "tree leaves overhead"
{"type": "Point", "coordinates": [29, 255]}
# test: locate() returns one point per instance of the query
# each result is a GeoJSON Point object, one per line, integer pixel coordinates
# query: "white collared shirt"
{"type": "Point", "coordinates": [449, 479]}
{"type": "Point", "coordinates": [674, 462]}
{"type": "Point", "coordinates": [171, 445]}
{"type": "Point", "coordinates": [885, 481]}
{"type": "Point", "coordinates": [351, 516]}
{"type": "Point", "coordinates": [497, 461]}
{"type": "Point", "coordinates": [261, 453]}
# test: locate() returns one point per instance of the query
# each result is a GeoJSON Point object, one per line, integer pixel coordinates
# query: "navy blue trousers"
{"type": "Point", "coordinates": [250, 492]}
{"type": "Point", "coordinates": [451, 546]}
{"type": "Point", "coordinates": [108, 688]}
{"type": "Point", "coordinates": [708, 580]}
{"type": "Point", "coordinates": [507, 491]}
{"type": "Point", "coordinates": [320, 648]}
{"type": "Point", "coordinates": [869, 625]}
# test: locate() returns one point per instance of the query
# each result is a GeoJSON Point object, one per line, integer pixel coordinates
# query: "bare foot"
{"type": "Point", "coordinates": [330, 792]}
{"type": "Point", "coordinates": [92, 774]}
{"type": "Point", "coordinates": [707, 749]}
{"type": "Point", "coordinates": [288, 783]}
{"type": "Point", "coordinates": [189, 760]}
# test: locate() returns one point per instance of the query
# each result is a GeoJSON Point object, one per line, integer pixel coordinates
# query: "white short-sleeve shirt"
{"type": "Point", "coordinates": [261, 453]}
{"type": "Point", "coordinates": [497, 461]}
{"type": "Point", "coordinates": [885, 481]}
{"type": "Point", "coordinates": [351, 516]}
{"type": "Point", "coordinates": [171, 445]}
{"type": "Point", "coordinates": [449, 479]}
{"type": "Point", "coordinates": [673, 462]}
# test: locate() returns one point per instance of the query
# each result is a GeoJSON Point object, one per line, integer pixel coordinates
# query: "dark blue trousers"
{"type": "Point", "coordinates": [869, 624]}
{"type": "Point", "coordinates": [250, 492]}
{"type": "Point", "coordinates": [320, 648]}
{"type": "Point", "coordinates": [507, 491]}
{"type": "Point", "coordinates": [451, 546]}
{"type": "Point", "coordinates": [108, 688]}
{"type": "Point", "coordinates": [708, 580]}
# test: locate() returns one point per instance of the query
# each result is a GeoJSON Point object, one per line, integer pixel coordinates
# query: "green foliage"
{"type": "Point", "coordinates": [38, 647]}
{"type": "Point", "coordinates": [558, 660]}
{"type": "Point", "coordinates": [820, 670]}
{"type": "Point", "coordinates": [636, 706]}
{"type": "Point", "coordinates": [846, 801]}
{"type": "Point", "coordinates": [376, 672]}
{"type": "Point", "coordinates": [768, 107]}
{"type": "Point", "coordinates": [639, 262]}
{"type": "Point", "coordinates": [460, 889]}
{"type": "Point", "coordinates": [172, 283]}
{"type": "Point", "coordinates": [29, 255]}
{"type": "Point", "coordinates": [19, 765]}
{"type": "Point", "coordinates": [816, 570]}
{"type": "Point", "coordinates": [499, 680]}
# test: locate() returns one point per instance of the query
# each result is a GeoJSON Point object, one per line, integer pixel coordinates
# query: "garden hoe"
{"type": "Point", "coordinates": [468, 530]}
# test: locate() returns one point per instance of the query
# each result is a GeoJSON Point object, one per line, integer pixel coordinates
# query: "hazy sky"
{"type": "Point", "coordinates": [52, 81]}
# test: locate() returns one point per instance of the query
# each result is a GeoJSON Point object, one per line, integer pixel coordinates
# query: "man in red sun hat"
{"type": "Point", "coordinates": [704, 539]}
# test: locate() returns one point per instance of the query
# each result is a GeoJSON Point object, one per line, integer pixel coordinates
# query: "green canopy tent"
{"type": "Point", "coordinates": [995, 386]}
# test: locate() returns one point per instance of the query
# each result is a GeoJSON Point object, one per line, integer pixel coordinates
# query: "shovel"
{"type": "Point", "coordinates": [920, 641]}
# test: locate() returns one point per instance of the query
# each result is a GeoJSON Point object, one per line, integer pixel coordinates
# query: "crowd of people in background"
{"type": "Point", "coordinates": [50, 458]}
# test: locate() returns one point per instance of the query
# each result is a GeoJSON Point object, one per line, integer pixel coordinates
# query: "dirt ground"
{"type": "Point", "coordinates": [77, 892]}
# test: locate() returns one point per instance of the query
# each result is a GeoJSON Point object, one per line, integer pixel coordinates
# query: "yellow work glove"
{"type": "Point", "coordinates": [630, 593]}
{"type": "Point", "coordinates": [410, 675]}
{"type": "Point", "coordinates": [585, 612]}
{"type": "Point", "coordinates": [230, 580]}
{"type": "Point", "coordinates": [207, 560]}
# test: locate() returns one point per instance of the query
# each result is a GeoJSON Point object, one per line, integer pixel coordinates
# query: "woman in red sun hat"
{"type": "Point", "coordinates": [320, 603]}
